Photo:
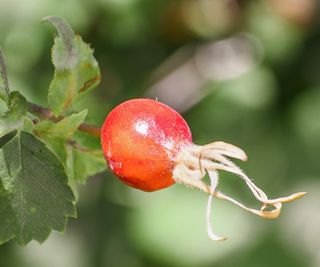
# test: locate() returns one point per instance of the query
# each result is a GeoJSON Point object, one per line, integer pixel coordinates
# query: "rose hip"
{"type": "Point", "coordinates": [148, 145]}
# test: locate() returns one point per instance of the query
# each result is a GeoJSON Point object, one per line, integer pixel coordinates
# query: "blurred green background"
{"type": "Point", "coordinates": [245, 72]}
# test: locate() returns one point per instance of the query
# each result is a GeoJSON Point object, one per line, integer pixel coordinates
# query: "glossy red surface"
{"type": "Point", "coordinates": [139, 139]}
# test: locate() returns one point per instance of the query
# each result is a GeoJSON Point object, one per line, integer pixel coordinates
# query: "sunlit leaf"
{"type": "Point", "coordinates": [63, 129]}
{"type": "Point", "coordinates": [76, 70]}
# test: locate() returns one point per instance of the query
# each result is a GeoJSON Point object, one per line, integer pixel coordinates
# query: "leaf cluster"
{"type": "Point", "coordinates": [42, 153]}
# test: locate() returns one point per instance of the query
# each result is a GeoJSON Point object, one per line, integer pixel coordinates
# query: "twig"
{"type": "Point", "coordinates": [47, 114]}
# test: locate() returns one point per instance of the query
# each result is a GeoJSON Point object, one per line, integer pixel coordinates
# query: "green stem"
{"type": "Point", "coordinates": [47, 114]}
{"type": "Point", "coordinates": [4, 77]}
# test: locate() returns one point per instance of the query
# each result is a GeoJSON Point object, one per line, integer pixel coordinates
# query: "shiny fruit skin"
{"type": "Point", "coordinates": [140, 138]}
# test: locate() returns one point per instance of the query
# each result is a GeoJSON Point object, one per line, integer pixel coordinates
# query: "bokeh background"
{"type": "Point", "coordinates": [246, 72]}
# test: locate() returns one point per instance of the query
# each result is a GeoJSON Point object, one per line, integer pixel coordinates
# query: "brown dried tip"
{"type": "Point", "coordinates": [192, 164]}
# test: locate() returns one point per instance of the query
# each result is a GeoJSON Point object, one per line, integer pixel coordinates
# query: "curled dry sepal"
{"type": "Point", "coordinates": [194, 162]}
{"type": "Point", "coordinates": [42, 152]}
{"type": "Point", "coordinates": [149, 146]}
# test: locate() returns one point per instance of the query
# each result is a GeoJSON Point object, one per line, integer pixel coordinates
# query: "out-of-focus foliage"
{"type": "Point", "coordinates": [245, 72]}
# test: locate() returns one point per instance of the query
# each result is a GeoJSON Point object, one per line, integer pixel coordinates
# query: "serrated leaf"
{"type": "Point", "coordinates": [69, 125]}
{"type": "Point", "coordinates": [14, 118]}
{"type": "Point", "coordinates": [76, 70]}
{"type": "Point", "coordinates": [79, 160]}
{"type": "Point", "coordinates": [82, 164]}
{"type": "Point", "coordinates": [66, 57]}
{"type": "Point", "coordinates": [57, 146]}
{"type": "Point", "coordinates": [64, 128]}
{"type": "Point", "coordinates": [17, 105]}
{"type": "Point", "coordinates": [34, 192]}
{"type": "Point", "coordinates": [86, 162]}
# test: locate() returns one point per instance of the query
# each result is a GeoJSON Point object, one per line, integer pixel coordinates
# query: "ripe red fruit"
{"type": "Point", "coordinates": [148, 145]}
{"type": "Point", "coordinates": [140, 138]}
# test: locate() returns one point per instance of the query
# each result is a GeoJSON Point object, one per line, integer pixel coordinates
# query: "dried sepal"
{"type": "Point", "coordinates": [192, 164]}
{"type": "Point", "coordinates": [214, 178]}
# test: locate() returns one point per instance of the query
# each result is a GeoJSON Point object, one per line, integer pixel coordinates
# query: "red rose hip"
{"type": "Point", "coordinates": [148, 145]}
{"type": "Point", "coordinates": [140, 138]}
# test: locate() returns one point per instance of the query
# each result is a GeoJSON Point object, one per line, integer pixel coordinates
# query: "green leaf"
{"type": "Point", "coordinates": [86, 140]}
{"type": "Point", "coordinates": [14, 118]}
{"type": "Point", "coordinates": [76, 70]}
{"type": "Point", "coordinates": [85, 158]}
{"type": "Point", "coordinates": [81, 156]}
{"type": "Point", "coordinates": [82, 164]}
{"type": "Point", "coordinates": [34, 192]}
{"type": "Point", "coordinates": [69, 125]}
{"type": "Point", "coordinates": [57, 145]}
{"type": "Point", "coordinates": [66, 56]}
{"type": "Point", "coordinates": [64, 128]}
{"type": "Point", "coordinates": [17, 105]}
{"type": "Point", "coordinates": [4, 84]}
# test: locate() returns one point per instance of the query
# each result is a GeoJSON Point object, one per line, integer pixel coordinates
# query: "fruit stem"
{"type": "Point", "coordinates": [47, 114]}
